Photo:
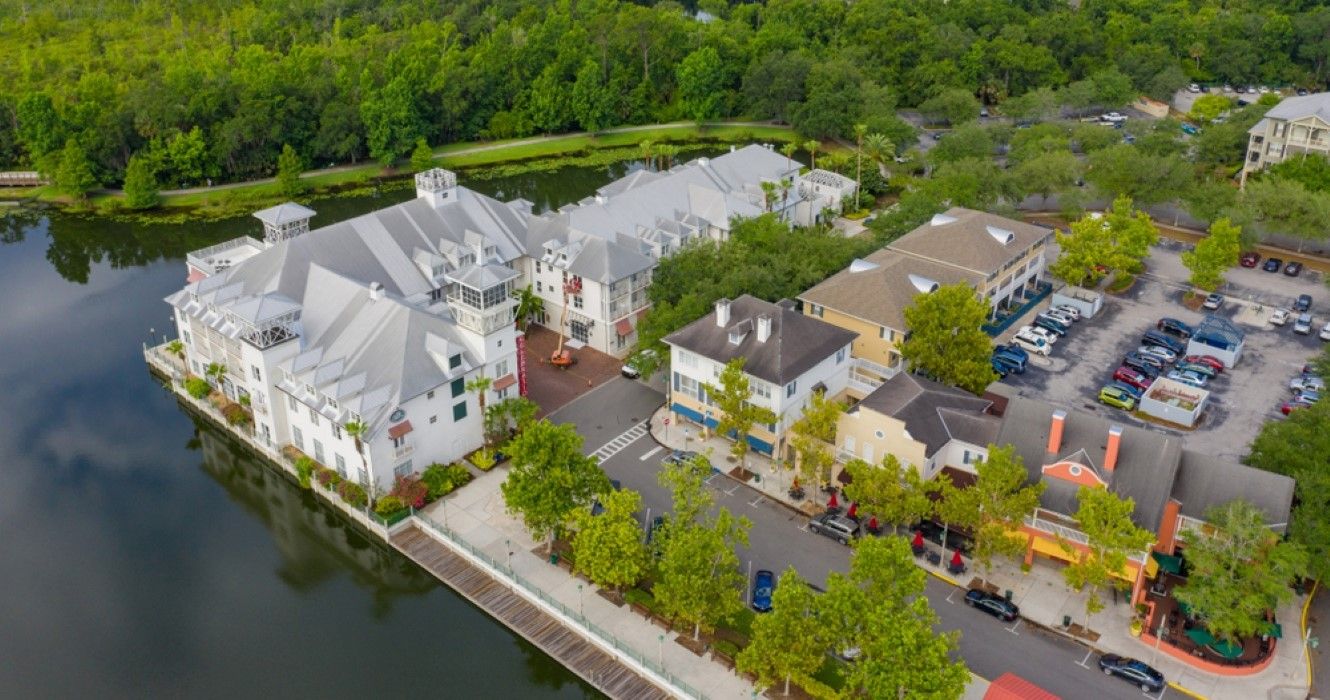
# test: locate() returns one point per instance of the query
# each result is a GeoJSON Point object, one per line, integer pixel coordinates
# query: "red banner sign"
{"type": "Point", "coordinates": [521, 365]}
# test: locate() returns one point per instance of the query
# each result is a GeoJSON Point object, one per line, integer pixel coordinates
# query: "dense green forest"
{"type": "Point", "coordinates": [214, 89]}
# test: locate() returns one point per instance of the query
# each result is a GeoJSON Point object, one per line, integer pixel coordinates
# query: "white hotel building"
{"type": "Point", "coordinates": [383, 318]}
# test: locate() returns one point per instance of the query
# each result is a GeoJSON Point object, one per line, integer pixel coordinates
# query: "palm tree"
{"type": "Point", "coordinates": [175, 347]}
{"type": "Point", "coordinates": [811, 147]}
{"type": "Point", "coordinates": [528, 305]}
{"type": "Point", "coordinates": [768, 193]}
{"type": "Point", "coordinates": [835, 161]}
{"type": "Point", "coordinates": [666, 154]}
{"type": "Point", "coordinates": [860, 130]}
{"type": "Point", "coordinates": [879, 148]}
{"type": "Point", "coordinates": [789, 150]}
{"type": "Point", "coordinates": [480, 384]}
{"type": "Point", "coordinates": [356, 429]}
{"type": "Point", "coordinates": [215, 372]}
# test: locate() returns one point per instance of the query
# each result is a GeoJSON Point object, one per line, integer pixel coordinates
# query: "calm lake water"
{"type": "Point", "coordinates": [143, 555]}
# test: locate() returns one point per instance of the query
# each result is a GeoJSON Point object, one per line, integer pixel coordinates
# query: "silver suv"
{"type": "Point", "coordinates": [835, 526]}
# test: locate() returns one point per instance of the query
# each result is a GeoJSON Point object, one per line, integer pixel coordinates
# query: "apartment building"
{"type": "Point", "coordinates": [1296, 127]}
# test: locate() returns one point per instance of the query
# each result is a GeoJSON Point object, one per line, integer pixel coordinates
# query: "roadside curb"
{"type": "Point", "coordinates": [1185, 691]}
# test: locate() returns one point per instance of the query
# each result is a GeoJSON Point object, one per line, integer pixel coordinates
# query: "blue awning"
{"type": "Point", "coordinates": [686, 412]}
{"type": "Point", "coordinates": [758, 445]}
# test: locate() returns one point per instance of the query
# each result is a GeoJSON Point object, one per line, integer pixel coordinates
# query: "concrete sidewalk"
{"type": "Point", "coordinates": [1041, 593]}
{"type": "Point", "coordinates": [476, 513]}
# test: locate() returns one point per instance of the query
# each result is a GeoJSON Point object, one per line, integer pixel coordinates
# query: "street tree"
{"type": "Point", "coordinates": [288, 172]}
{"type": "Point", "coordinates": [1296, 447]}
{"type": "Point", "coordinates": [1213, 255]}
{"type": "Point", "coordinates": [738, 414]}
{"type": "Point", "coordinates": [1240, 571]}
{"type": "Point", "coordinates": [686, 481]}
{"type": "Point", "coordinates": [1209, 200]}
{"type": "Point", "coordinates": [512, 414]}
{"type": "Point", "coordinates": [946, 338]}
{"type": "Point", "coordinates": [1105, 519]}
{"type": "Point", "coordinates": [1124, 170]}
{"type": "Point", "coordinates": [1287, 206]}
{"type": "Point", "coordinates": [995, 505]}
{"type": "Point", "coordinates": [788, 643]}
{"type": "Point", "coordinates": [1131, 233]}
{"type": "Point", "coordinates": [889, 490]}
{"type": "Point", "coordinates": [608, 547]}
{"type": "Point", "coordinates": [74, 175]}
{"type": "Point", "coordinates": [1207, 108]}
{"type": "Point", "coordinates": [699, 579]}
{"type": "Point", "coordinates": [879, 608]}
{"type": "Point", "coordinates": [141, 191]}
{"type": "Point", "coordinates": [1085, 252]}
{"type": "Point", "coordinates": [550, 478]}
{"type": "Point", "coordinates": [528, 305]}
{"type": "Point", "coordinates": [814, 435]}
{"type": "Point", "coordinates": [422, 157]}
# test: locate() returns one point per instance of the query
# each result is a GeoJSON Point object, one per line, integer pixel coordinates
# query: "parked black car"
{"type": "Point", "coordinates": [1164, 340]}
{"type": "Point", "coordinates": [993, 604]}
{"type": "Point", "coordinates": [1051, 325]}
{"type": "Point", "coordinates": [1303, 303]}
{"type": "Point", "coordinates": [1293, 269]}
{"type": "Point", "coordinates": [1172, 326]}
{"type": "Point", "coordinates": [1136, 672]}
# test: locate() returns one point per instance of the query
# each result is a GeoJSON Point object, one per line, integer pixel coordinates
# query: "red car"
{"type": "Point", "coordinates": [1131, 377]}
{"type": "Point", "coordinates": [1249, 259]}
{"type": "Point", "coordinates": [1208, 360]}
{"type": "Point", "coordinates": [1291, 406]}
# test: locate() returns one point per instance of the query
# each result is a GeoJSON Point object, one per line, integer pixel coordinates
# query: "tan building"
{"type": "Point", "coordinates": [1295, 127]}
{"type": "Point", "coordinates": [1002, 259]}
{"type": "Point", "coordinates": [926, 425]}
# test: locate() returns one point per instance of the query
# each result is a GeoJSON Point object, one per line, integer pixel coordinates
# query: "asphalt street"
{"type": "Point", "coordinates": [606, 418]}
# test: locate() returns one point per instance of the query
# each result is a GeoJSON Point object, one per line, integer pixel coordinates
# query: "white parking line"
{"type": "Point", "coordinates": [650, 452]}
{"type": "Point", "coordinates": [1088, 654]}
{"type": "Point", "coordinates": [952, 593]}
{"type": "Point", "coordinates": [732, 491]}
{"type": "Point", "coordinates": [1012, 629]}
{"type": "Point", "coordinates": [757, 501]}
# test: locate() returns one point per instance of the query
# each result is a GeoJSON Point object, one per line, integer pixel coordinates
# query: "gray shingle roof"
{"type": "Point", "coordinates": [283, 213]}
{"type": "Point", "coordinates": [1147, 462]}
{"type": "Point", "coordinates": [879, 288]}
{"type": "Point", "coordinates": [971, 239]}
{"type": "Point", "coordinates": [796, 345]}
{"type": "Point", "coordinates": [1205, 481]}
{"type": "Point", "coordinates": [933, 413]}
{"type": "Point", "coordinates": [1290, 108]}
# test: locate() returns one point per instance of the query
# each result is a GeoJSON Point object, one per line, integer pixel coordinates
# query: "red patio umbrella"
{"type": "Point", "coordinates": [832, 502]}
{"type": "Point", "coordinates": [918, 539]}
{"type": "Point", "coordinates": [956, 560]}
{"type": "Point", "coordinates": [854, 508]}
{"type": "Point", "coordinates": [872, 523]}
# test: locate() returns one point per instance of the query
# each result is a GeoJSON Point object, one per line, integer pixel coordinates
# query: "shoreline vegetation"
{"type": "Point", "coordinates": [471, 160]}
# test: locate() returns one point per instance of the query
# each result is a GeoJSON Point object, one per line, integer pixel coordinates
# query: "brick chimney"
{"type": "Point", "coordinates": [1111, 449]}
{"type": "Point", "coordinates": [1055, 431]}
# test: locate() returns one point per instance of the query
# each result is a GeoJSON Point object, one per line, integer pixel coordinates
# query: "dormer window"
{"type": "Point", "coordinates": [736, 337]}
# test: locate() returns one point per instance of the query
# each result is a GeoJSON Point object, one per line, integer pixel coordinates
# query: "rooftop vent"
{"type": "Point", "coordinates": [941, 220]}
{"type": "Point", "coordinates": [923, 284]}
{"type": "Point", "coordinates": [860, 265]}
{"type": "Point", "coordinates": [1001, 235]}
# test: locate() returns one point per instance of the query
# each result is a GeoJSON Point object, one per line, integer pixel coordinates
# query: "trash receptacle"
{"type": "Point", "coordinates": [757, 478]}
{"type": "Point", "coordinates": [1066, 620]}
{"type": "Point", "coordinates": [554, 558]}
{"type": "Point", "coordinates": [1008, 593]}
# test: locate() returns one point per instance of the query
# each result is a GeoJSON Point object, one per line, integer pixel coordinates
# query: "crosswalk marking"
{"type": "Point", "coordinates": [649, 453]}
{"type": "Point", "coordinates": [624, 439]}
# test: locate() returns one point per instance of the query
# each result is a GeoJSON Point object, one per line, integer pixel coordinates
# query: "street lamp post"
{"type": "Point", "coordinates": [580, 610]}
{"type": "Point", "coordinates": [661, 639]}
{"type": "Point", "coordinates": [508, 546]}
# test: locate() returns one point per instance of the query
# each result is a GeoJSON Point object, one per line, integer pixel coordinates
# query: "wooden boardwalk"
{"type": "Point", "coordinates": [570, 648]}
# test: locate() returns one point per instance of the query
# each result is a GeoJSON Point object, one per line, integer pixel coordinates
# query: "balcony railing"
{"type": "Point", "coordinates": [403, 451]}
{"type": "Point", "coordinates": [866, 367]}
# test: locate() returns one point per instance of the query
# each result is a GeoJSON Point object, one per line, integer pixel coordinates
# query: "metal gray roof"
{"type": "Point", "coordinates": [1314, 105]}
{"type": "Point", "coordinates": [283, 213]}
{"type": "Point", "coordinates": [796, 345]}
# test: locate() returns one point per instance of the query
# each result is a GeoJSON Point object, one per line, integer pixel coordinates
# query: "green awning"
{"type": "Point", "coordinates": [1275, 630]}
{"type": "Point", "coordinates": [1167, 563]}
{"type": "Point", "coordinates": [1201, 636]}
{"type": "Point", "coordinates": [1228, 650]}
{"type": "Point", "coordinates": [1186, 609]}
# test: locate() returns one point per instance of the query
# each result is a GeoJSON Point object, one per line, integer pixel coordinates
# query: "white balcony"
{"type": "Point", "coordinates": [403, 452]}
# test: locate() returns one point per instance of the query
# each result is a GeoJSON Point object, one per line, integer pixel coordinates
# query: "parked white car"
{"type": "Point", "coordinates": [1070, 310]}
{"type": "Point", "coordinates": [1303, 325]}
{"type": "Point", "coordinates": [1049, 336]}
{"type": "Point", "coordinates": [1059, 315]}
{"type": "Point", "coordinates": [1279, 317]}
{"type": "Point", "coordinates": [1114, 117]}
{"type": "Point", "coordinates": [1325, 331]}
{"type": "Point", "coordinates": [1306, 382]}
{"type": "Point", "coordinates": [1031, 343]}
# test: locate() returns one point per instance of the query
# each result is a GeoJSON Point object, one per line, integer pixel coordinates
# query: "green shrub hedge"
{"type": "Point", "coordinates": [388, 506]}
{"type": "Point", "coordinates": [197, 387]}
{"type": "Point", "coordinates": [442, 480]}
{"type": "Point", "coordinates": [352, 494]}
{"type": "Point", "coordinates": [304, 470]}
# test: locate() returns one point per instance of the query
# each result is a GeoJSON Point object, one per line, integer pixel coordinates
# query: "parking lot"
{"type": "Point", "coordinates": [1241, 398]}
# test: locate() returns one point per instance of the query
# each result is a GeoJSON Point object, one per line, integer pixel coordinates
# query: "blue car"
{"type": "Point", "coordinates": [1008, 364]}
{"type": "Point", "coordinates": [1163, 340]}
{"type": "Point", "coordinates": [1135, 391]}
{"type": "Point", "coordinates": [1013, 350]}
{"type": "Point", "coordinates": [763, 582]}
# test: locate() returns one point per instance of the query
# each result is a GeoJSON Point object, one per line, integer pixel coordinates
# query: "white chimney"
{"type": "Point", "coordinates": [437, 186]}
{"type": "Point", "coordinates": [600, 199]}
{"type": "Point", "coordinates": [763, 328]}
{"type": "Point", "coordinates": [723, 313]}
{"type": "Point", "coordinates": [375, 291]}
{"type": "Point", "coordinates": [733, 148]}
{"type": "Point", "coordinates": [704, 162]}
